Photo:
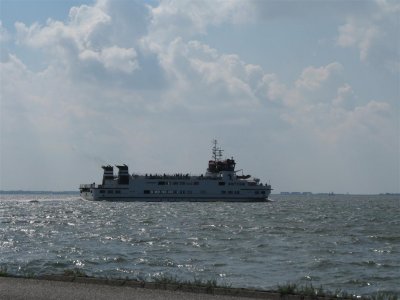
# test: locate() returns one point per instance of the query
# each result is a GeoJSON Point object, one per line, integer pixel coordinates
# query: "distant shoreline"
{"type": "Point", "coordinates": [37, 192]}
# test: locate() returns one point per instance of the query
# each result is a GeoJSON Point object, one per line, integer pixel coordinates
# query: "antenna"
{"type": "Point", "coordinates": [217, 152]}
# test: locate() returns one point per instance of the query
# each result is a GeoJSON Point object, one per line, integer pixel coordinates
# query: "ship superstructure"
{"type": "Point", "coordinates": [220, 183]}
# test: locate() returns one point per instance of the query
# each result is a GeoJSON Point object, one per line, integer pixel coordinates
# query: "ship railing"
{"type": "Point", "coordinates": [87, 186]}
{"type": "Point", "coordinates": [173, 176]}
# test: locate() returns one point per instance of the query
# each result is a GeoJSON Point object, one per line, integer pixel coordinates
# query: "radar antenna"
{"type": "Point", "coordinates": [216, 151]}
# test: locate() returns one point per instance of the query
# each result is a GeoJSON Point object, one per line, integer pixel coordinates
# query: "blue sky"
{"type": "Point", "coordinates": [304, 94]}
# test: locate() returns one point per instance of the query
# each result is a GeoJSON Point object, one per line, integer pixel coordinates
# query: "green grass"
{"type": "Point", "coordinates": [3, 271]}
{"type": "Point", "coordinates": [209, 285]}
{"type": "Point", "coordinates": [383, 296]}
{"type": "Point", "coordinates": [74, 272]}
{"type": "Point", "coordinates": [287, 289]}
{"type": "Point", "coordinates": [312, 291]}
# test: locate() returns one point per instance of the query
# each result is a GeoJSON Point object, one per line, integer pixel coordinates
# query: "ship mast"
{"type": "Point", "coordinates": [216, 151]}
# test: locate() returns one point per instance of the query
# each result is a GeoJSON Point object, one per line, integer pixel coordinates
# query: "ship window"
{"type": "Point", "coordinates": [146, 192]}
{"type": "Point", "coordinates": [118, 192]}
{"type": "Point", "coordinates": [110, 191]}
{"type": "Point", "coordinates": [102, 191]}
{"type": "Point", "coordinates": [221, 183]}
{"type": "Point", "coordinates": [230, 192]}
{"type": "Point", "coordinates": [196, 183]}
{"type": "Point", "coordinates": [161, 183]}
{"type": "Point", "coordinates": [223, 192]}
{"type": "Point", "coordinates": [256, 192]}
{"type": "Point", "coordinates": [262, 192]}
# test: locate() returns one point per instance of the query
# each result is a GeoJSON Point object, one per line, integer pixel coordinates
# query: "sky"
{"type": "Point", "coordinates": [303, 94]}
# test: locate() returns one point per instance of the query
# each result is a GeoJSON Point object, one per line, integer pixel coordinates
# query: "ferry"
{"type": "Point", "coordinates": [221, 182]}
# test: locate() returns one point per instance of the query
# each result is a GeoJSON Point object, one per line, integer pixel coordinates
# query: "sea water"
{"type": "Point", "coordinates": [342, 242]}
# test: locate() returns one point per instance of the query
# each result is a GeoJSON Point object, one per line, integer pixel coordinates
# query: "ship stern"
{"type": "Point", "coordinates": [86, 191]}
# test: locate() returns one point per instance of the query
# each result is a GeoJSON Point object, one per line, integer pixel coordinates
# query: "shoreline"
{"type": "Point", "coordinates": [205, 289]}
{"type": "Point", "coordinates": [285, 292]}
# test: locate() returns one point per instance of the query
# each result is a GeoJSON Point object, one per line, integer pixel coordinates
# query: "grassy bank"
{"type": "Point", "coordinates": [288, 291]}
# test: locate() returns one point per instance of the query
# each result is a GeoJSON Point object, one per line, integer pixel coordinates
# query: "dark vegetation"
{"type": "Point", "coordinates": [211, 286]}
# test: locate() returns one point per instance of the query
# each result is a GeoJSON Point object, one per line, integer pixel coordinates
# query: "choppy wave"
{"type": "Point", "coordinates": [347, 242]}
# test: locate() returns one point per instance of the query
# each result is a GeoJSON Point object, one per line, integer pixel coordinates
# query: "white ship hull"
{"type": "Point", "coordinates": [193, 188]}
{"type": "Point", "coordinates": [220, 183]}
{"type": "Point", "coordinates": [173, 199]}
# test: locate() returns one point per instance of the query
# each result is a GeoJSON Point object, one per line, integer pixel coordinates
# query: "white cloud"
{"type": "Point", "coordinates": [311, 77]}
{"type": "Point", "coordinates": [187, 18]}
{"type": "Point", "coordinates": [307, 106]}
{"type": "Point", "coordinates": [342, 93]}
{"type": "Point", "coordinates": [374, 34]}
{"type": "Point", "coordinates": [83, 24]}
{"type": "Point", "coordinates": [359, 35]}
{"type": "Point", "coordinates": [152, 80]}
{"type": "Point", "coordinates": [201, 77]}
{"type": "Point", "coordinates": [113, 58]}
{"type": "Point", "coordinates": [373, 120]}
{"type": "Point", "coordinates": [273, 88]}
{"type": "Point", "coordinates": [81, 38]}
{"type": "Point", "coordinates": [85, 20]}
{"type": "Point", "coordinates": [388, 7]}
